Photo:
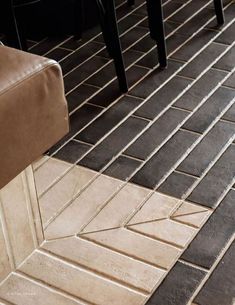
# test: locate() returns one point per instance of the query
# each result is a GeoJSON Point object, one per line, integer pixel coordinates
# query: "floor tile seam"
{"type": "Point", "coordinates": [107, 165]}
{"type": "Point", "coordinates": [181, 260]}
{"type": "Point", "coordinates": [77, 133]}
{"type": "Point", "coordinates": [80, 141]}
{"type": "Point", "coordinates": [93, 272]}
{"type": "Point", "coordinates": [209, 273]}
{"type": "Point", "coordinates": [228, 87]}
{"type": "Point", "coordinates": [92, 121]}
{"type": "Point", "coordinates": [209, 167]}
{"type": "Point", "coordinates": [6, 237]}
{"type": "Point", "coordinates": [41, 41]}
{"type": "Point", "coordinates": [5, 302]}
{"type": "Point", "coordinates": [67, 204]}
{"type": "Point", "coordinates": [184, 222]}
{"type": "Point", "coordinates": [125, 253]}
{"type": "Point", "coordinates": [51, 288]}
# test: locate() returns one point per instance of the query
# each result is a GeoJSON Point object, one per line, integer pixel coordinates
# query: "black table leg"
{"type": "Point", "coordinates": [156, 27]}
{"type": "Point", "coordinates": [219, 11]}
{"type": "Point", "coordinates": [111, 37]}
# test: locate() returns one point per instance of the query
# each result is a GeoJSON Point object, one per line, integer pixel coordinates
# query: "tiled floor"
{"type": "Point", "coordinates": [128, 190]}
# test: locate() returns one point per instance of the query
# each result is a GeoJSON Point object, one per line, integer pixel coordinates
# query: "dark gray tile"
{"type": "Point", "coordinates": [163, 161]}
{"type": "Point", "coordinates": [227, 37]}
{"type": "Point", "coordinates": [170, 8]}
{"type": "Point", "coordinates": [80, 95]}
{"type": "Point", "coordinates": [132, 36]}
{"type": "Point", "coordinates": [58, 54]}
{"type": "Point", "coordinates": [72, 151]}
{"type": "Point", "coordinates": [144, 44]}
{"type": "Point", "coordinates": [217, 180]}
{"type": "Point", "coordinates": [230, 82]}
{"type": "Point", "coordinates": [178, 286]}
{"type": "Point", "coordinates": [188, 50]}
{"type": "Point", "coordinates": [113, 144]}
{"type": "Point", "coordinates": [80, 56]}
{"type": "Point", "coordinates": [128, 22]}
{"type": "Point", "coordinates": [227, 62]}
{"type": "Point", "coordinates": [111, 92]}
{"type": "Point", "coordinates": [154, 80]}
{"type": "Point", "coordinates": [82, 72]}
{"type": "Point", "coordinates": [108, 120]}
{"type": "Point", "coordinates": [190, 27]}
{"type": "Point", "coordinates": [78, 120]}
{"type": "Point", "coordinates": [203, 60]}
{"type": "Point", "coordinates": [162, 98]}
{"type": "Point", "coordinates": [207, 150]}
{"type": "Point", "coordinates": [46, 45]}
{"type": "Point", "coordinates": [201, 89]}
{"type": "Point", "coordinates": [230, 114]}
{"type": "Point", "coordinates": [156, 134]}
{"type": "Point", "coordinates": [122, 168]}
{"type": "Point", "coordinates": [210, 110]}
{"type": "Point", "coordinates": [220, 287]}
{"type": "Point", "coordinates": [187, 11]}
{"type": "Point", "coordinates": [177, 184]}
{"type": "Point", "coordinates": [207, 245]}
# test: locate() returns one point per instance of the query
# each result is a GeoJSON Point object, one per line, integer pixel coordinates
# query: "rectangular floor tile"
{"type": "Point", "coordinates": [108, 120]}
{"type": "Point", "coordinates": [80, 283]}
{"type": "Point", "coordinates": [80, 212]}
{"type": "Point", "coordinates": [227, 61]}
{"type": "Point", "coordinates": [210, 110]}
{"type": "Point", "coordinates": [156, 134]}
{"type": "Point", "coordinates": [230, 114]}
{"type": "Point", "coordinates": [230, 82]}
{"type": "Point", "coordinates": [200, 89]}
{"type": "Point", "coordinates": [162, 98]}
{"type": "Point", "coordinates": [123, 167]}
{"type": "Point", "coordinates": [63, 191]}
{"type": "Point", "coordinates": [204, 59]}
{"type": "Point", "coordinates": [22, 291]}
{"type": "Point", "coordinates": [109, 263]}
{"type": "Point", "coordinates": [205, 152]}
{"type": "Point", "coordinates": [113, 144]}
{"type": "Point", "coordinates": [203, 250]}
{"type": "Point", "coordinates": [177, 184]}
{"type": "Point", "coordinates": [219, 289]}
{"type": "Point", "coordinates": [154, 80]}
{"type": "Point", "coordinates": [215, 183]}
{"type": "Point", "coordinates": [178, 286]}
{"type": "Point", "coordinates": [227, 36]}
{"type": "Point", "coordinates": [162, 162]}
{"type": "Point", "coordinates": [138, 246]}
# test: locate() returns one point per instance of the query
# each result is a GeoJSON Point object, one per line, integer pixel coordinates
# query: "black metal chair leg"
{"type": "Point", "coordinates": [111, 37]}
{"type": "Point", "coordinates": [156, 27]}
{"type": "Point", "coordinates": [219, 11]}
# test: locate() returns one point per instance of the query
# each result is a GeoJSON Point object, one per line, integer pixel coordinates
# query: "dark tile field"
{"type": "Point", "coordinates": [173, 132]}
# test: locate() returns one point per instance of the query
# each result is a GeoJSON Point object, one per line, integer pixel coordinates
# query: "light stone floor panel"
{"type": "Point", "coordinates": [106, 241]}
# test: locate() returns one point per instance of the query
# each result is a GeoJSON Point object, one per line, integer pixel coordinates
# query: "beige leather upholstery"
{"type": "Point", "coordinates": [33, 109]}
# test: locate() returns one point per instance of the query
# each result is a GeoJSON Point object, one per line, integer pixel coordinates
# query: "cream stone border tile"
{"type": "Point", "coordinates": [95, 237]}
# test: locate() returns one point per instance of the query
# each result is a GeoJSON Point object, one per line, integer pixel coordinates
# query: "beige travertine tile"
{"type": "Point", "coordinates": [119, 208]}
{"type": "Point", "coordinates": [79, 282]}
{"type": "Point", "coordinates": [136, 245]}
{"type": "Point", "coordinates": [167, 230]}
{"type": "Point", "coordinates": [191, 214]}
{"type": "Point", "coordinates": [21, 291]}
{"type": "Point", "coordinates": [39, 162]}
{"type": "Point", "coordinates": [82, 209]}
{"type": "Point", "coordinates": [156, 207]}
{"type": "Point", "coordinates": [17, 218]}
{"type": "Point", "coordinates": [5, 267]}
{"type": "Point", "coordinates": [64, 191]}
{"type": "Point", "coordinates": [49, 172]}
{"type": "Point", "coordinates": [107, 262]}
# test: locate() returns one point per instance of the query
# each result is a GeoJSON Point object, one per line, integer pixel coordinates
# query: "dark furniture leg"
{"type": "Point", "coordinates": [156, 27]}
{"type": "Point", "coordinates": [219, 11]}
{"type": "Point", "coordinates": [111, 36]}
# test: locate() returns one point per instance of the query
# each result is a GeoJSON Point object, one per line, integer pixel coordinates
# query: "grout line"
{"type": "Point", "coordinates": [217, 261]}
{"type": "Point", "coordinates": [193, 265]}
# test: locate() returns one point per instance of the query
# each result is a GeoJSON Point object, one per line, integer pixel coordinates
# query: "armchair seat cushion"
{"type": "Point", "coordinates": [33, 109]}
